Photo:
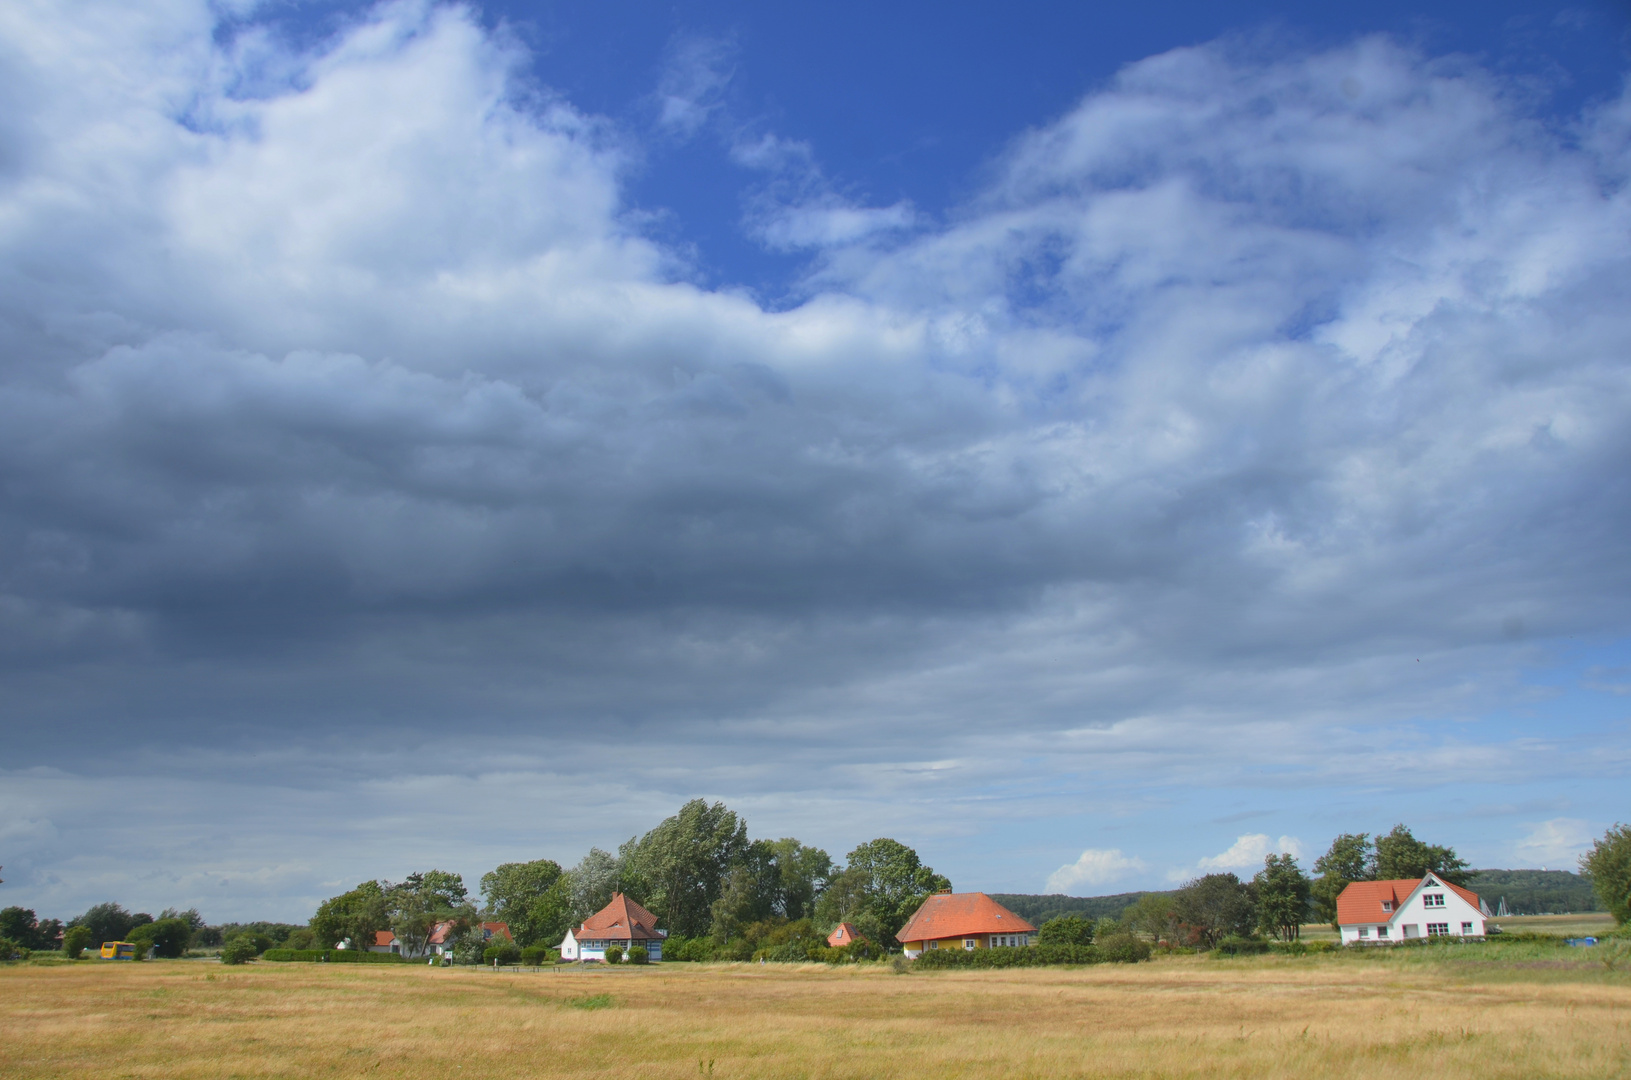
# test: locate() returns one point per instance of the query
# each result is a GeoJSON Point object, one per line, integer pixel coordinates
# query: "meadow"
{"type": "Point", "coordinates": [1518, 1010]}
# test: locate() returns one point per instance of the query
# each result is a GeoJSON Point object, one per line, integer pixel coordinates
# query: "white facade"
{"type": "Point", "coordinates": [595, 948]}
{"type": "Point", "coordinates": [1431, 909]}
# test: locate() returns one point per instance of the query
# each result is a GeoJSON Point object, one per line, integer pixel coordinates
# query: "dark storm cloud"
{"type": "Point", "coordinates": [1254, 404]}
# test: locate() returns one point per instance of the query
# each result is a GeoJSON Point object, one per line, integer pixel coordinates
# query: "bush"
{"type": "Point", "coordinates": [331, 956]}
{"type": "Point", "coordinates": [11, 950]}
{"type": "Point", "coordinates": [638, 954]}
{"type": "Point", "coordinates": [75, 941]}
{"type": "Point", "coordinates": [1124, 951]}
{"type": "Point", "coordinates": [535, 955]}
{"type": "Point", "coordinates": [1065, 930]}
{"type": "Point", "coordinates": [688, 949]}
{"type": "Point", "coordinates": [614, 954]}
{"type": "Point", "coordinates": [504, 953]}
{"type": "Point", "coordinates": [238, 950]}
{"type": "Point", "coordinates": [1235, 945]}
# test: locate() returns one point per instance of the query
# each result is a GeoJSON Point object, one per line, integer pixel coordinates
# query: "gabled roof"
{"type": "Point", "coordinates": [1361, 901]}
{"type": "Point", "coordinates": [622, 919]}
{"type": "Point", "coordinates": [493, 929]}
{"type": "Point", "coordinates": [384, 939]}
{"type": "Point", "coordinates": [951, 915]}
{"type": "Point", "coordinates": [842, 935]}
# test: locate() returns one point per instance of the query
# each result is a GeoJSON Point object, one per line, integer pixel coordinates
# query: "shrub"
{"type": "Point", "coordinates": [1065, 930]}
{"type": "Point", "coordinates": [75, 942]}
{"type": "Point", "coordinates": [1123, 948]}
{"type": "Point", "coordinates": [332, 956]}
{"type": "Point", "coordinates": [504, 953]}
{"type": "Point", "coordinates": [1235, 945]}
{"type": "Point", "coordinates": [535, 955]}
{"type": "Point", "coordinates": [11, 950]}
{"type": "Point", "coordinates": [688, 949]}
{"type": "Point", "coordinates": [1125, 952]}
{"type": "Point", "coordinates": [238, 950]}
{"type": "Point", "coordinates": [638, 954]}
{"type": "Point", "coordinates": [614, 954]}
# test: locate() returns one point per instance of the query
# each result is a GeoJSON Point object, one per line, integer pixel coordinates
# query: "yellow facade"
{"type": "Point", "coordinates": [981, 941]}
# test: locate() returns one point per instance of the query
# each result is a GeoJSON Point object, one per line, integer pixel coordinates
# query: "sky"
{"type": "Point", "coordinates": [1095, 447]}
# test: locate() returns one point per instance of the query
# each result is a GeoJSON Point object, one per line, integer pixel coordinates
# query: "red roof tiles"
{"type": "Point", "coordinates": [955, 915]}
{"type": "Point", "coordinates": [843, 934]}
{"type": "Point", "coordinates": [620, 920]}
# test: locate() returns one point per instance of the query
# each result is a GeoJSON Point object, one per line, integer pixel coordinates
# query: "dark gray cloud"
{"type": "Point", "coordinates": [1257, 427]}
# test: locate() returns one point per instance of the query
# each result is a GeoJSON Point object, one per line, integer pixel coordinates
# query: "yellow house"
{"type": "Point", "coordinates": [950, 920]}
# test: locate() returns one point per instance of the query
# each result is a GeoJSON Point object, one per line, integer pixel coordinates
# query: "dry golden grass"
{"type": "Point", "coordinates": [1262, 1017]}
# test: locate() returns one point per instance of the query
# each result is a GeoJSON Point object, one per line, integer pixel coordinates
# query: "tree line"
{"type": "Point", "coordinates": [723, 895]}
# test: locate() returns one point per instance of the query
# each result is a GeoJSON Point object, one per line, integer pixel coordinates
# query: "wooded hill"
{"type": "Point", "coordinates": [1527, 892]}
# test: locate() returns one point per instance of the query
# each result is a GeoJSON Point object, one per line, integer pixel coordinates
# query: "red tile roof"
{"type": "Point", "coordinates": [842, 935]}
{"type": "Point", "coordinates": [955, 915]}
{"type": "Point", "coordinates": [1361, 901]}
{"type": "Point", "coordinates": [494, 929]}
{"type": "Point", "coordinates": [384, 938]}
{"type": "Point", "coordinates": [620, 920]}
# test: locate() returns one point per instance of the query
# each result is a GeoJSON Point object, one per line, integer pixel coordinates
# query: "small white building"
{"type": "Point", "coordinates": [623, 923]}
{"type": "Point", "coordinates": [1386, 912]}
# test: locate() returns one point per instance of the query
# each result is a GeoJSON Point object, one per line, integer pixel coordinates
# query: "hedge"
{"type": "Point", "coordinates": [332, 956]}
{"type": "Point", "coordinates": [1113, 951]}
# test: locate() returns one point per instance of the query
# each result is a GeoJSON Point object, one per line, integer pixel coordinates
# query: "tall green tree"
{"type": "Point", "coordinates": [168, 938]}
{"type": "Point", "coordinates": [533, 898]}
{"type": "Point", "coordinates": [1349, 859]}
{"type": "Point", "coordinates": [1282, 897]}
{"type": "Point", "coordinates": [421, 901]}
{"type": "Point", "coordinates": [682, 864]}
{"type": "Point", "coordinates": [1608, 864]}
{"type": "Point", "coordinates": [108, 922]}
{"type": "Point", "coordinates": [803, 873]}
{"type": "Point", "coordinates": [1401, 855]}
{"type": "Point", "coordinates": [593, 881]}
{"type": "Point", "coordinates": [355, 916]}
{"type": "Point", "coordinates": [1215, 907]}
{"type": "Point", "coordinates": [882, 885]}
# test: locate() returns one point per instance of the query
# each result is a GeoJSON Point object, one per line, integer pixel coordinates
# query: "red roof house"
{"type": "Point", "coordinates": [963, 921]}
{"type": "Point", "coordinates": [843, 934]}
{"type": "Point", "coordinates": [1382, 912]}
{"type": "Point", "coordinates": [622, 923]}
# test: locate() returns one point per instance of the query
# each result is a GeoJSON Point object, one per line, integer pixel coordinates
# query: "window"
{"type": "Point", "coordinates": [1437, 929]}
{"type": "Point", "coordinates": [1381, 931]}
{"type": "Point", "coordinates": [1432, 899]}
{"type": "Point", "coordinates": [1466, 928]}
{"type": "Point", "coordinates": [1387, 905]}
{"type": "Point", "coordinates": [934, 944]}
{"type": "Point", "coordinates": [969, 943]}
{"type": "Point", "coordinates": [1364, 931]}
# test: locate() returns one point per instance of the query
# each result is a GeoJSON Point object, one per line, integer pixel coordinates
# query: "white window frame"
{"type": "Point", "coordinates": [1381, 931]}
{"type": "Point", "coordinates": [1432, 900]}
{"type": "Point", "coordinates": [1466, 927]}
{"type": "Point", "coordinates": [970, 943]}
{"type": "Point", "coordinates": [1438, 929]}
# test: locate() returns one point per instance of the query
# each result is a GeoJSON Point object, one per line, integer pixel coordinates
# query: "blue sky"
{"type": "Point", "coordinates": [1093, 446]}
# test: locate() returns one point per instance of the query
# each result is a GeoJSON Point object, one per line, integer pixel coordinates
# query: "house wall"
{"type": "Point", "coordinates": [1414, 916]}
{"type": "Point", "coordinates": [981, 941]}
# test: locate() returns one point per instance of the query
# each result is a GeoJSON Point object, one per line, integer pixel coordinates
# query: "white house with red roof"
{"type": "Point", "coordinates": [623, 923]}
{"type": "Point", "coordinates": [949, 920]}
{"type": "Point", "coordinates": [1385, 912]}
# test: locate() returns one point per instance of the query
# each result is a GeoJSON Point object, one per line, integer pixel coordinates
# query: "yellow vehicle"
{"type": "Point", "coordinates": [118, 950]}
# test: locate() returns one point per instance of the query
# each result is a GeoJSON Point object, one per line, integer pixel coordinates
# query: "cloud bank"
{"type": "Point", "coordinates": [1256, 422]}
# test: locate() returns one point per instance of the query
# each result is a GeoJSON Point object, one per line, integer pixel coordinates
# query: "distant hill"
{"type": "Point", "coordinates": [1527, 892]}
{"type": "Point", "coordinates": [1039, 909]}
{"type": "Point", "coordinates": [1534, 892]}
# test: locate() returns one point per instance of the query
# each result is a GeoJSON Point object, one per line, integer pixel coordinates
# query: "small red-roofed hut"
{"type": "Point", "coordinates": [843, 934]}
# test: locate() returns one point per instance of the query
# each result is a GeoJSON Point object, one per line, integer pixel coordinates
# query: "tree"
{"type": "Point", "coordinates": [355, 916]}
{"type": "Point", "coordinates": [803, 872]}
{"type": "Point", "coordinates": [1608, 864]}
{"type": "Point", "coordinates": [1151, 914]}
{"type": "Point", "coordinates": [417, 904]}
{"type": "Point", "coordinates": [884, 883]}
{"type": "Point", "coordinates": [1282, 897]}
{"type": "Point", "coordinates": [1066, 930]}
{"type": "Point", "coordinates": [168, 938]}
{"type": "Point", "coordinates": [681, 865]}
{"type": "Point", "coordinates": [1215, 907]}
{"type": "Point", "coordinates": [20, 925]}
{"type": "Point", "coordinates": [108, 922]}
{"type": "Point", "coordinates": [533, 898]}
{"type": "Point", "coordinates": [1401, 855]}
{"type": "Point", "coordinates": [592, 882]}
{"type": "Point", "coordinates": [239, 950]}
{"type": "Point", "coordinates": [752, 892]}
{"type": "Point", "coordinates": [1349, 859]}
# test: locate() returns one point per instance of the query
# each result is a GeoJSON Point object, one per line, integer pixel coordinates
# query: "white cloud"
{"type": "Point", "coordinates": [1245, 855]}
{"type": "Point", "coordinates": [696, 73]}
{"type": "Point", "coordinates": [1096, 867]}
{"type": "Point", "coordinates": [1554, 845]}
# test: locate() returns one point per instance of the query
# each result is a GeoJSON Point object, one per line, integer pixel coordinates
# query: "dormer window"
{"type": "Point", "coordinates": [1387, 905]}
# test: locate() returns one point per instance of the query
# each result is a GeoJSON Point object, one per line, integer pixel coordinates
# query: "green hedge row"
{"type": "Point", "coordinates": [1114, 951]}
{"type": "Point", "coordinates": [332, 956]}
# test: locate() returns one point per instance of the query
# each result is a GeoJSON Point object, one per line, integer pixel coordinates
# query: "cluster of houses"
{"type": "Point", "coordinates": [1368, 912]}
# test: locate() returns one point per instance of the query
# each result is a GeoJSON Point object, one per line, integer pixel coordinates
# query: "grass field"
{"type": "Point", "coordinates": [1514, 1011]}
